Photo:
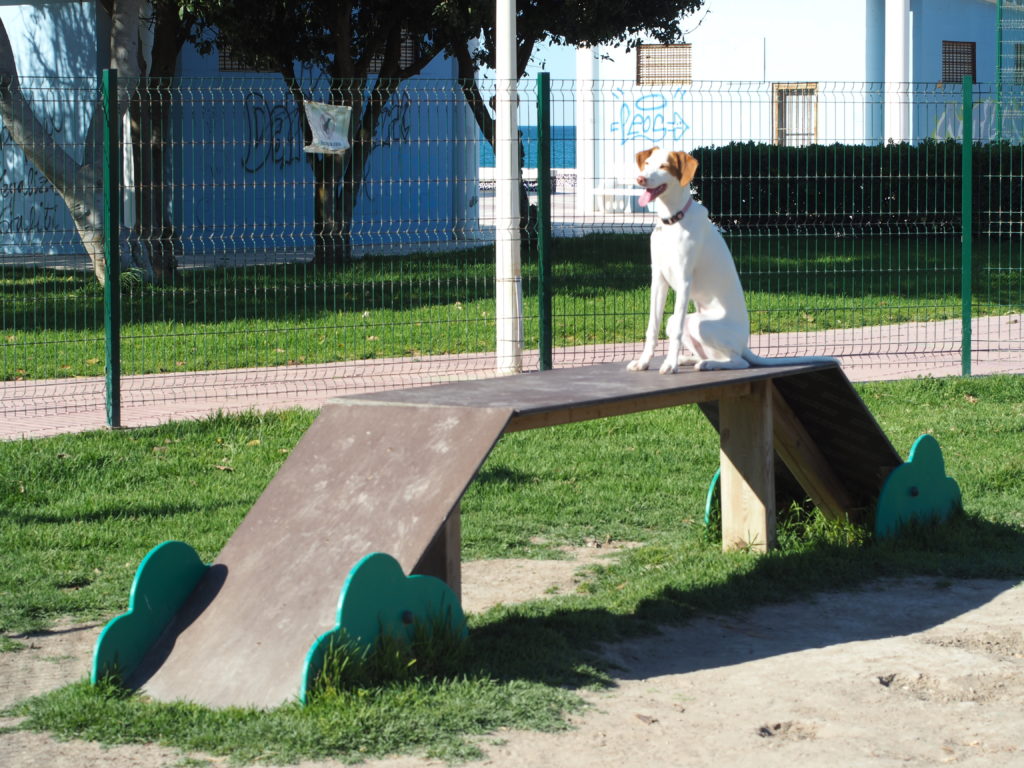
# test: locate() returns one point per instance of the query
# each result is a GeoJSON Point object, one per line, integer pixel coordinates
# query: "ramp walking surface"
{"type": "Point", "coordinates": [362, 479]}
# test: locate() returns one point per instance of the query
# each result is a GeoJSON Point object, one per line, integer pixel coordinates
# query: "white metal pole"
{"type": "Point", "coordinates": [897, 70]}
{"type": "Point", "coordinates": [586, 130]}
{"type": "Point", "coordinates": [509, 280]}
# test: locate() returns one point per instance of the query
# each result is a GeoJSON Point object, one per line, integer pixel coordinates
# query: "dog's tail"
{"type": "Point", "coordinates": [768, 362]}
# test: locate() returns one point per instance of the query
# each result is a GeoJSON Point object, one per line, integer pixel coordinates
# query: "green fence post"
{"type": "Point", "coordinates": [966, 216]}
{"type": "Point", "coordinates": [544, 218]}
{"type": "Point", "coordinates": [111, 246]}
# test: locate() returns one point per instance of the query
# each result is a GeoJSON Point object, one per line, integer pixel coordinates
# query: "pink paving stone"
{"type": "Point", "coordinates": [40, 408]}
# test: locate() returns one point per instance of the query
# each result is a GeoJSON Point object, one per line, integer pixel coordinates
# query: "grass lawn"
{"type": "Point", "coordinates": [78, 512]}
{"type": "Point", "coordinates": [51, 325]}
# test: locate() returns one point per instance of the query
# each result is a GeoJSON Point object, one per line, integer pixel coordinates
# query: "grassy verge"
{"type": "Point", "coordinates": [433, 304]}
{"type": "Point", "coordinates": [79, 512]}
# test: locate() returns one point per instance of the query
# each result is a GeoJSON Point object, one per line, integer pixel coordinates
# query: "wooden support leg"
{"type": "Point", "coordinates": [443, 558]}
{"type": "Point", "coordinates": [806, 462]}
{"type": "Point", "coordinates": [748, 471]}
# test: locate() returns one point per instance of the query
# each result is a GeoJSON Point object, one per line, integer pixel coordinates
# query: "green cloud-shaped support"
{"type": "Point", "coordinates": [917, 490]}
{"type": "Point", "coordinates": [164, 579]}
{"type": "Point", "coordinates": [378, 598]}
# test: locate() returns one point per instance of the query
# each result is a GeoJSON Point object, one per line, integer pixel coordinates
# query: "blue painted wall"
{"type": "Point", "coordinates": [245, 131]}
{"type": "Point", "coordinates": [55, 50]}
{"type": "Point", "coordinates": [239, 181]}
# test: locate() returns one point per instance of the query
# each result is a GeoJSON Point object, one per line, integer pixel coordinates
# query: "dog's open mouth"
{"type": "Point", "coordinates": [649, 194]}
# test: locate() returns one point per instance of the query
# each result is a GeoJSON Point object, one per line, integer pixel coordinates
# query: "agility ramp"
{"type": "Point", "coordinates": [384, 473]}
{"type": "Point", "coordinates": [364, 478]}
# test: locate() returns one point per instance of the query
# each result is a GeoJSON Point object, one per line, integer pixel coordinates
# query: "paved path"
{"type": "Point", "coordinates": [42, 408]}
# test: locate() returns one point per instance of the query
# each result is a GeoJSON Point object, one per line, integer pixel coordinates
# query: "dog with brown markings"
{"type": "Point", "coordinates": [689, 255]}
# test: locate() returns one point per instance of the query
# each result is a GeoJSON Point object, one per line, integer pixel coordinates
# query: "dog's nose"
{"type": "Point", "coordinates": [641, 181]}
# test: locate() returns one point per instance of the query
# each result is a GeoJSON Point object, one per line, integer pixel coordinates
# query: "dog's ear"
{"type": "Point", "coordinates": [686, 165]}
{"type": "Point", "coordinates": [641, 157]}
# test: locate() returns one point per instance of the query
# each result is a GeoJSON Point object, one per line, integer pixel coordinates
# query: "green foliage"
{"type": "Point", "coordinates": [78, 512]}
{"type": "Point", "coordinates": [847, 189]}
{"type": "Point", "coordinates": [436, 650]}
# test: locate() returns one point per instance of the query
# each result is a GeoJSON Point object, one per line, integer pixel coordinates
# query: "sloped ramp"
{"type": "Point", "coordinates": [838, 423]}
{"type": "Point", "coordinates": [362, 479]}
{"type": "Point", "coordinates": [828, 445]}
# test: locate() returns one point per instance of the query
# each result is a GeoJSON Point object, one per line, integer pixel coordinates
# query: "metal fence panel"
{"type": "Point", "coordinates": [239, 288]}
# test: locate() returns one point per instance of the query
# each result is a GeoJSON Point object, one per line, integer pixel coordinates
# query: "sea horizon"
{"type": "Point", "coordinates": [563, 147]}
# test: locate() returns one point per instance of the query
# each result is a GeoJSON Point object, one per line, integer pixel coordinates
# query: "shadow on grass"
{"type": "Point", "coordinates": [561, 645]}
{"type": "Point", "coordinates": [103, 514]}
{"type": "Point", "coordinates": [524, 662]}
{"type": "Point", "coordinates": [589, 267]}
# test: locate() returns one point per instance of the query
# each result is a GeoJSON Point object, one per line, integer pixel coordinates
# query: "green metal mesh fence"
{"type": "Point", "coordinates": [256, 273]}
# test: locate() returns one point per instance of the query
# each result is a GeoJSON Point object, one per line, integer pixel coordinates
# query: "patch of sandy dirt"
{"type": "Point", "coordinates": [911, 673]}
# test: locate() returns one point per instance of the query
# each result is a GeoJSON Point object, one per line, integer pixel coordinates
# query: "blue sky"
{"type": "Point", "coordinates": [559, 60]}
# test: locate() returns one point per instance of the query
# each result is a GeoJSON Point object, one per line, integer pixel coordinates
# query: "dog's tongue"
{"type": "Point", "coordinates": [649, 194]}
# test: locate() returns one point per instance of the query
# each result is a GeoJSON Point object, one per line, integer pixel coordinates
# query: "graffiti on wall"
{"type": "Point", "coordinates": [651, 117]}
{"type": "Point", "coordinates": [950, 123]}
{"type": "Point", "coordinates": [395, 125]}
{"type": "Point", "coordinates": [273, 134]}
{"type": "Point", "coordinates": [29, 204]}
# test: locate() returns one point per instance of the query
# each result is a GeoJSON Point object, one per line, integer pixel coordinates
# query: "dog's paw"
{"type": "Point", "coordinates": [669, 367]}
{"type": "Point", "coordinates": [638, 365]}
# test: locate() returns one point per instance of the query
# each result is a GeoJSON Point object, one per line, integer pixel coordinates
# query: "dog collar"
{"type": "Point", "coordinates": [679, 214]}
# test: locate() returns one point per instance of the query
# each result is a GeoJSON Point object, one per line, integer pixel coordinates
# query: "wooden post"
{"type": "Point", "coordinates": [443, 557]}
{"type": "Point", "coordinates": [748, 471]}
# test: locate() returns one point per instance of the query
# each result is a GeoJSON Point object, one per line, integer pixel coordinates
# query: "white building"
{"type": "Point", "coordinates": [793, 73]}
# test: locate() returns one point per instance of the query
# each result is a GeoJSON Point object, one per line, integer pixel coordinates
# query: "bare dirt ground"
{"type": "Point", "coordinates": [920, 672]}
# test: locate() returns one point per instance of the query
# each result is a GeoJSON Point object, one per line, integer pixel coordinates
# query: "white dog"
{"type": "Point", "coordinates": [689, 256]}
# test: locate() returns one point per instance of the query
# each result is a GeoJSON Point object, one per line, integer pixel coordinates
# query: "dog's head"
{"type": "Point", "coordinates": [659, 168]}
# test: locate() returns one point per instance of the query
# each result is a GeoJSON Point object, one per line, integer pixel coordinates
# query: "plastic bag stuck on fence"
{"type": "Point", "coordinates": [329, 126]}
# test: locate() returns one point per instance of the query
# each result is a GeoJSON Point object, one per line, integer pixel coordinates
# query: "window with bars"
{"type": "Point", "coordinates": [1018, 63]}
{"type": "Point", "coordinates": [958, 60]}
{"type": "Point", "coordinates": [228, 62]}
{"type": "Point", "coordinates": [407, 55]}
{"type": "Point", "coordinates": [796, 114]}
{"type": "Point", "coordinates": [664, 64]}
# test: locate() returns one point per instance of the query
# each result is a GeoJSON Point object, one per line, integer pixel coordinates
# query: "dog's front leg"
{"type": "Point", "coordinates": [659, 291]}
{"type": "Point", "coordinates": [676, 325]}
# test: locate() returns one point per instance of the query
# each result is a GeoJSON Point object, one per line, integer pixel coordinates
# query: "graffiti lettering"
{"type": "Point", "coordinates": [651, 117]}
{"type": "Point", "coordinates": [273, 134]}
{"type": "Point", "coordinates": [950, 123]}
{"type": "Point", "coordinates": [29, 204]}
{"type": "Point", "coordinates": [394, 123]}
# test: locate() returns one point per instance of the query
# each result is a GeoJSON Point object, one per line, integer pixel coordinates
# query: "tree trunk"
{"type": "Point", "coordinates": [338, 179]}
{"type": "Point", "coordinates": [332, 221]}
{"type": "Point", "coordinates": [155, 241]}
{"type": "Point", "coordinates": [80, 186]}
{"type": "Point", "coordinates": [87, 213]}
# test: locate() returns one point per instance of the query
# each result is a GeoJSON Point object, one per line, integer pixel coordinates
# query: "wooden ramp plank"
{"type": "Point", "coordinates": [808, 465]}
{"type": "Point", "coordinates": [845, 432]}
{"type": "Point", "coordinates": [362, 479]}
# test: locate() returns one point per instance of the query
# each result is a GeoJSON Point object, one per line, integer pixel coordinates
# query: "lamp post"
{"type": "Point", "coordinates": [508, 270]}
